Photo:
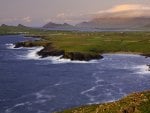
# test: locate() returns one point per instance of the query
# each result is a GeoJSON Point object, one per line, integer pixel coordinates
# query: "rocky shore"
{"type": "Point", "coordinates": [49, 50]}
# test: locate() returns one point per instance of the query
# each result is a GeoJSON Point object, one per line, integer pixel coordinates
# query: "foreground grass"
{"type": "Point", "coordinates": [134, 103]}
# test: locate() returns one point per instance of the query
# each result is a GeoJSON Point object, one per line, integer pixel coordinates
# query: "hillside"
{"type": "Point", "coordinates": [52, 25]}
{"type": "Point", "coordinates": [116, 23]}
{"type": "Point", "coordinates": [133, 103]}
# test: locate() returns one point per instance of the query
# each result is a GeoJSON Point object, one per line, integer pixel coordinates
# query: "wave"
{"type": "Point", "coordinates": [10, 46]}
{"type": "Point", "coordinates": [59, 60]}
{"type": "Point", "coordinates": [142, 69]}
{"type": "Point", "coordinates": [32, 55]}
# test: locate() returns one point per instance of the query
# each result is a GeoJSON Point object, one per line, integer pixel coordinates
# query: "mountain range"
{"type": "Point", "coordinates": [119, 17]}
{"type": "Point", "coordinates": [106, 23]}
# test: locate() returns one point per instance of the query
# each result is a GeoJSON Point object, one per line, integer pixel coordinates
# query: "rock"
{"type": "Point", "coordinates": [148, 67]}
{"type": "Point", "coordinates": [50, 51]}
{"type": "Point", "coordinates": [146, 55]}
{"type": "Point", "coordinates": [81, 56]}
{"type": "Point", "coordinates": [24, 44]}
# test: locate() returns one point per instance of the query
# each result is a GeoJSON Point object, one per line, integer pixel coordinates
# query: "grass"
{"type": "Point", "coordinates": [133, 103]}
{"type": "Point", "coordinates": [135, 42]}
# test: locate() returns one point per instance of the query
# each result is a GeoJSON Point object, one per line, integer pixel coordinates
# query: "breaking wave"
{"type": "Point", "coordinates": [10, 46]}
{"type": "Point", "coordinates": [142, 69]}
{"type": "Point", "coordinates": [32, 55]}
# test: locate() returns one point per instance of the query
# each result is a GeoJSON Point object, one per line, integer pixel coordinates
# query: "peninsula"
{"type": "Point", "coordinates": [77, 45]}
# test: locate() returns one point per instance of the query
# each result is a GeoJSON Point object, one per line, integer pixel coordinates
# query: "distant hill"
{"type": "Point", "coordinates": [58, 26]}
{"type": "Point", "coordinates": [22, 26]}
{"type": "Point", "coordinates": [116, 23]}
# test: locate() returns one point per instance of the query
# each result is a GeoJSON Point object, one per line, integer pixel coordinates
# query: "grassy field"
{"type": "Point", "coordinates": [134, 103]}
{"type": "Point", "coordinates": [103, 42]}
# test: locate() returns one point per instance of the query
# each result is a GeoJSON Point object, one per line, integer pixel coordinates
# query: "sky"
{"type": "Point", "coordinates": [39, 12]}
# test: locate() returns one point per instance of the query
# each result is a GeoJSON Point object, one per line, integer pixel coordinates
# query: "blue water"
{"type": "Point", "coordinates": [29, 84]}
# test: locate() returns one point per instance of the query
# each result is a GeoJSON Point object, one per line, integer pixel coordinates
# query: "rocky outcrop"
{"type": "Point", "coordinates": [148, 67]}
{"type": "Point", "coordinates": [146, 55]}
{"type": "Point", "coordinates": [24, 44]}
{"type": "Point", "coordinates": [50, 51]}
{"type": "Point", "coordinates": [81, 56]}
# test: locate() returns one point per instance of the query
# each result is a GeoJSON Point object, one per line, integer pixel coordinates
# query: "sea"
{"type": "Point", "coordinates": [31, 84]}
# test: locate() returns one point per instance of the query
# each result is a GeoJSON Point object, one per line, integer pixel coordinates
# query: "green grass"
{"type": "Point", "coordinates": [135, 42]}
{"type": "Point", "coordinates": [133, 103]}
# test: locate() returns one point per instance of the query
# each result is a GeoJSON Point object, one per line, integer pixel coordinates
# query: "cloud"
{"type": "Point", "coordinates": [124, 10]}
{"type": "Point", "coordinates": [8, 19]}
{"type": "Point", "coordinates": [16, 20]}
{"type": "Point", "coordinates": [63, 18]}
{"type": "Point", "coordinates": [128, 7]}
{"type": "Point", "coordinates": [27, 19]}
{"type": "Point", "coordinates": [61, 15]}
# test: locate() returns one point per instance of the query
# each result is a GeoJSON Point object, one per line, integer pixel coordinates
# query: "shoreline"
{"type": "Point", "coordinates": [51, 51]}
{"type": "Point", "coordinates": [136, 102]}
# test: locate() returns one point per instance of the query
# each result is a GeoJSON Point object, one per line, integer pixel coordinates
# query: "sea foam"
{"type": "Point", "coordinates": [10, 46]}
{"type": "Point", "coordinates": [142, 69]}
{"type": "Point", "coordinates": [32, 55]}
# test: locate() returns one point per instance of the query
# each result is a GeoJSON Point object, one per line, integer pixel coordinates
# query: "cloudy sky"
{"type": "Point", "coordinates": [39, 12]}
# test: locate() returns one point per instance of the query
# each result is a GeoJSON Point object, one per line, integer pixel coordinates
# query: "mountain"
{"type": "Point", "coordinates": [52, 25]}
{"type": "Point", "coordinates": [126, 16]}
{"type": "Point", "coordinates": [116, 23]}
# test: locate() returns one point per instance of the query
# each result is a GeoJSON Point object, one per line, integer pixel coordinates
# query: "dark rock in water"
{"type": "Point", "coordinates": [19, 44]}
{"type": "Point", "coordinates": [148, 67]}
{"type": "Point", "coordinates": [81, 56]}
{"type": "Point", "coordinates": [24, 44]}
{"type": "Point", "coordinates": [50, 51]}
{"type": "Point", "coordinates": [146, 55]}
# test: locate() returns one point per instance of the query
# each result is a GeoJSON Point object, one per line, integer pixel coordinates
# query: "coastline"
{"type": "Point", "coordinates": [49, 50]}
{"type": "Point", "coordinates": [137, 102]}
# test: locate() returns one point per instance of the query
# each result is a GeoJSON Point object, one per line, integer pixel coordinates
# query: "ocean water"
{"type": "Point", "coordinates": [30, 84]}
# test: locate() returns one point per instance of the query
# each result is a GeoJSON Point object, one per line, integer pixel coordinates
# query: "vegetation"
{"type": "Point", "coordinates": [134, 103]}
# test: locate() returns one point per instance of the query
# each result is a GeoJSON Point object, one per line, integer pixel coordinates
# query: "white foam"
{"type": "Point", "coordinates": [22, 104]}
{"type": "Point", "coordinates": [10, 46]}
{"type": "Point", "coordinates": [142, 69]}
{"type": "Point", "coordinates": [59, 60]}
{"type": "Point", "coordinates": [31, 53]}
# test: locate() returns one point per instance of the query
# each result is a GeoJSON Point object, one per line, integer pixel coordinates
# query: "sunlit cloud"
{"type": "Point", "coordinates": [124, 10]}
{"type": "Point", "coordinates": [127, 7]}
